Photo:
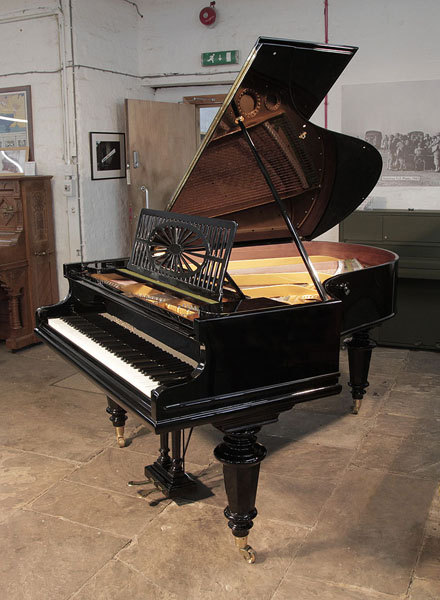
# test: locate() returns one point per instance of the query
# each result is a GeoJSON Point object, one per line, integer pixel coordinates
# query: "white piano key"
{"type": "Point", "coordinates": [137, 379]}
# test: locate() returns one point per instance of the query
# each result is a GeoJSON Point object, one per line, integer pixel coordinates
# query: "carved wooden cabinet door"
{"type": "Point", "coordinates": [40, 241]}
{"type": "Point", "coordinates": [11, 214]}
{"type": "Point", "coordinates": [27, 256]}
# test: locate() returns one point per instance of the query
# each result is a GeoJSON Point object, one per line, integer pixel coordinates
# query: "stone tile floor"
{"type": "Point", "coordinates": [349, 506]}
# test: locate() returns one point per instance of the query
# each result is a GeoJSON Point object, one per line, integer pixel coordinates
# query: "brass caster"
{"type": "Point", "coordinates": [247, 552]}
{"type": "Point", "coordinates": [120, 437]}
{"type": "Point", "coordinates": [356, 406]}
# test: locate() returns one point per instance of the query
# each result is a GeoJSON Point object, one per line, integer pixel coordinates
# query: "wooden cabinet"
{"type": "Point", "coordinates": [27, 256]}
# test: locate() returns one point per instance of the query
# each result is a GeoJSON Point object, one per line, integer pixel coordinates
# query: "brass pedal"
{"type": "Point", "coordinates": [143, 493]}
{"type": "Point", "coordinates": [134, 483]}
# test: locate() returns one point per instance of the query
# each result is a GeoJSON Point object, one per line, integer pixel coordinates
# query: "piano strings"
{"type": "Point", "coordinates": [282, 279]}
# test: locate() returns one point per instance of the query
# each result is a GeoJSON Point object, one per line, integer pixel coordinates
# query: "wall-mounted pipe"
{"type": "Point", "coordinates": [68, 112]}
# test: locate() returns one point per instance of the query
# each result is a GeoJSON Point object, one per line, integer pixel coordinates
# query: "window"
{"type": "Point", "coordinates": [207, 107]}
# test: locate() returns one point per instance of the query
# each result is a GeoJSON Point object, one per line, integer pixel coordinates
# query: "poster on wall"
{"type": "Point", "coordinates": [16, 118]}
{"type": "Point", "coordinates": [107, 155]}
{"type": "Point", "coordinates": [402, 120]}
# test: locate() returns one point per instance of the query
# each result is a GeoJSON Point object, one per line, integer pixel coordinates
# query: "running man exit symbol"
{"type": "Point", "coordinates": [222, 57]}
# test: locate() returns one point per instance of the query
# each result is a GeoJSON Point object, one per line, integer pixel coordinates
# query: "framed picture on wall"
{"type": "Point", "coordinates": [107, 155]}
{"type": "Point", "coordinates": [12, 161]}
{"type": "Point", "coordinates": [400, 119]}
{"type": "Point", "coordinates": [16, 118]}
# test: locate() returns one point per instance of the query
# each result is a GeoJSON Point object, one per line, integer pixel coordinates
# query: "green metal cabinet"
{"type": "Point", "coordinates": [415, 237]}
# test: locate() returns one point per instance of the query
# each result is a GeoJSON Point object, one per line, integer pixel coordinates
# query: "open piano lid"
{"type": "Point", "coordinates": [321, 176]}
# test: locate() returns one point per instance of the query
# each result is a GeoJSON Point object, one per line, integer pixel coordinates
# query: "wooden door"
{"type": "Point", "coordinates": [162, 141]}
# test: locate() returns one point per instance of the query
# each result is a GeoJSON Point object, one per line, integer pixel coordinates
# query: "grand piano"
{"type": "Point", "coordinates": [227, 312]}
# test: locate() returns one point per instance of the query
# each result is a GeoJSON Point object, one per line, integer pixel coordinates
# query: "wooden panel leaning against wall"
{"type": "Point", "coordinates": [27, 256]}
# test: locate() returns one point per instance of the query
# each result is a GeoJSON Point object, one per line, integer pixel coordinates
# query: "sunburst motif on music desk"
{"type": "Point", "coordinates": [181, 250]}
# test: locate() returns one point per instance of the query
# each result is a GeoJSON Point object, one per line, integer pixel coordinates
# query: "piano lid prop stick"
{"type": "Point", "coordinates": [310, 268]}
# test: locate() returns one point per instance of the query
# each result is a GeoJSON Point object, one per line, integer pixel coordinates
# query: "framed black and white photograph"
{"type": "Point", "coordinates": [107, 153]}
{"type": "Point", "coordinates": [401, 119]}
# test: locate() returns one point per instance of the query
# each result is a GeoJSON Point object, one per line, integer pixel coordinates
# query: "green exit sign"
{"type": "Point", "coordinates": [222, 57]}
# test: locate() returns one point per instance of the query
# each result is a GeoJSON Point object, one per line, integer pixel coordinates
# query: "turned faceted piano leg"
{"type": "Point", "coordinates": [241, 456]}
{"type": "Point", "coordinates": [118, 416]}
{"type": "Point", "coordinates": [360, 347]}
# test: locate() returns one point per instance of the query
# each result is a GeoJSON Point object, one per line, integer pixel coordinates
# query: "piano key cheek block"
{"type": "Point", "coordinates": [227, 312]}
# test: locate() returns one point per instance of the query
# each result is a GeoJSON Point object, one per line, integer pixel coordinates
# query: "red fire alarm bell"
{"type": "Point", "coordinates": [208, 15]}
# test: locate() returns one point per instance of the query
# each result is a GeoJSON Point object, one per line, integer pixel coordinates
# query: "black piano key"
{"type": "Point", "coordinates": [134, 350]}
{"type": "Point", "coordinates": [161, 374]}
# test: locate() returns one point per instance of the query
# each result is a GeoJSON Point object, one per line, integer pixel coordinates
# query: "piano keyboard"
{"type": "Point", "coordinates": [139, 362]}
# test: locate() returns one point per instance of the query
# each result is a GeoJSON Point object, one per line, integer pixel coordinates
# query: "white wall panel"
{"type": "Point", "coordinates": [104, 212]}
{"type": "Point", "coordinates": [106, 35]}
